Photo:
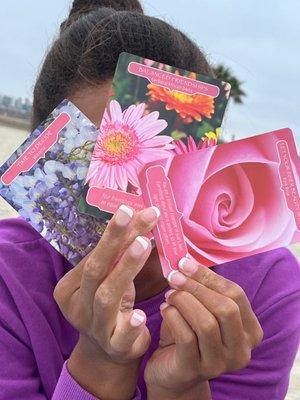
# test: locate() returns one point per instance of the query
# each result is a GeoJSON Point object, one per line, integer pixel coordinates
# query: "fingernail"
{"type": "Point", "coordinates": [168, 293]}
{"type": "Point", "coordinates": [137, 319]}
{"type": "Point", "coordinates": [177, 278]}
{"type": "Point", "coordinates": [123, 215]}
{"type": "Point", "coordinates": [139, 246]}
{"type": "Point", "coordinates": [187, 266]}
{"type": "Point", "coordinates": [156, 210]}
{"type": "Point", "coordinates": [163, 306]}
{"type": "Point", "coordinates": [150, 214]}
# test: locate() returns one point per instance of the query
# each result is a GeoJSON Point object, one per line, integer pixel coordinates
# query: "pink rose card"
{"type": "Point", "coordinates": [156, 111]}
{"type": "Point", "coordinates": [225, 202]}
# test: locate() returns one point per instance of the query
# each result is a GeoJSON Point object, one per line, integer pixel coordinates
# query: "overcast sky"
{"type": "Point", "coordinates": [258, 40]}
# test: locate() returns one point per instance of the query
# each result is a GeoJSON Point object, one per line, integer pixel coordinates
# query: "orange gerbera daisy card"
{"type": "Point", "coordinates": [154, 111]}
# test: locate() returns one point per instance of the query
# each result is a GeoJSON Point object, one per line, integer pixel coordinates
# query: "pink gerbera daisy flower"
{"type": "Point", "coordinates": [127, 141]}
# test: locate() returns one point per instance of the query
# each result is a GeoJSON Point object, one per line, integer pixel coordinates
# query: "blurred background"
{"type": "Point", "coordinates": [253, 45]}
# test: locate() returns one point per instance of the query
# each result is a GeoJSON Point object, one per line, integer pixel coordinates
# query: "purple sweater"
{"type": "Point", "coordinates": [36, 340]}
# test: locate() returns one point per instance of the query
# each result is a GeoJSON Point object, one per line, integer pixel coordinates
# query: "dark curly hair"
{"type": "Point", "coordinates": [90, 41]}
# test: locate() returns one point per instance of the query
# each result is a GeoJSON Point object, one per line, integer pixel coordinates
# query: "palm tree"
{"type": "Point", "coordinates": [237, 94]}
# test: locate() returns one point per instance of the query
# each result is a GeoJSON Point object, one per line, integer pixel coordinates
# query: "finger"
{"type": "Point", "coordinates": [110, 248]}
{"type": "Point", "coordinates": [129, 265]}
{"type": "Point", "coordinates": [131, 337]}
{"type": "Point", "coordinates": [105, 253]}
{"type": "Point", "coordinates": [202, 322]}
{"type": "Point", "coordinates": [109, 294]}
{"type": "Point", "coordinates": [68, 285]}
{"type": "Point", "coordinates": [165, 337]}
{"type": "Point", "coordinates": [225, 310]}
{"type": "Point", "coordinates": [140, 222]}
{"type": "Point", "coordinates": [140, 225]}
{"type": "Point", "coordinates": [187, 351]}
{"type": "Point", "coordinates": [229, 289]}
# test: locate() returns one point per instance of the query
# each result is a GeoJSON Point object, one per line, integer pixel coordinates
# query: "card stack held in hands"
{"type": "Point", "coordinates": [157, 146]}
{"type": "Point", "coordinates": [156, 111]}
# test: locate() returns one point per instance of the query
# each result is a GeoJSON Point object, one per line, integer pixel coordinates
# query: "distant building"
{"type": "Point", "coordinates": [15, 107]}
{"type": "Point", "coordinates": [7, 101]}
{"type": "Point", "coordinates": [19, 103]}
{"type": "Point", "coordinates": [27, 105]}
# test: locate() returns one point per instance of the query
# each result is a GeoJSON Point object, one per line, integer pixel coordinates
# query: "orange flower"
{"type": "Point", "coordinates": [188, 106]}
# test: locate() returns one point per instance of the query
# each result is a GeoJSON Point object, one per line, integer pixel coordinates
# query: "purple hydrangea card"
{"type": "Point", "coordinates": [43, 180]}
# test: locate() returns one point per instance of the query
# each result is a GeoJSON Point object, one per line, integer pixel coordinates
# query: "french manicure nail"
{"type": "Point", "coordinates": [187, 265]}
{"type": "Point", "coordinates": [123, 215]}
{"type": "Point", "coordinates": [139, 246]}
{"type": "Point", "coordinates": [137, 319]}
{"type": "Point", "coordinates": [177, 278]}
{"type": "Point", "coordinates": [143, 242]}
{"type": "Point", "coordinates": [149, 214]}
{"type": "Point", "coordinates": [156, 210]}
{"type": "Point", "coordinates": [163, 306]}
{"type": "Point", "coordinates": [168, 293]}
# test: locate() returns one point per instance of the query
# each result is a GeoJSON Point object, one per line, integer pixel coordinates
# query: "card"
{"type": "Point", "coordinates": [43, 179]}
{"type": "Point", "coordinates": [156, 111]}
{"type": "Point", "coordinates": [225, 202]}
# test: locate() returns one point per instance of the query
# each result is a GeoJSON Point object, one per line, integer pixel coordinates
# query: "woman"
{"type": "Point", "coordinates": [115, 329]}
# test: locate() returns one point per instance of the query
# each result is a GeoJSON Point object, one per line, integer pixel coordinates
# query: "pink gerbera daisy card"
{"type": "Point", "coordinates": [156, 111]}
{"type": "Point", "coordinates": [225, 202]}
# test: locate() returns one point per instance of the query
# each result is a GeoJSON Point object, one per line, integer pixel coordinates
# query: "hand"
{"type": "Point", "coordinates": [208, 329]}
{"type": "Point", "coordinates": [97, 298]}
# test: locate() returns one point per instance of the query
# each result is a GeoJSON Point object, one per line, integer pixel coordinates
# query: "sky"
{"type": "Point", "coordinates": [258, 40]}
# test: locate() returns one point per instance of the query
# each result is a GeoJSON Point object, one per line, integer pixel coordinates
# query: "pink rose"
{"type": "Point", "coordinates": [231, 200]}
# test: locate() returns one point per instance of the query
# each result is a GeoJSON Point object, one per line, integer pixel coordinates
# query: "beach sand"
{"type": "Point", "coordinates": [11, 138]}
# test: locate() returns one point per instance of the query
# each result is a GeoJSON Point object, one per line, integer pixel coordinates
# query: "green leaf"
{"type": "Point", "coordinates": [176, 135]}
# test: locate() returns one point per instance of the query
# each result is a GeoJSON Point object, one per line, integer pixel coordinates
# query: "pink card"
{"type": "Point", "coordinates": [226, 202]}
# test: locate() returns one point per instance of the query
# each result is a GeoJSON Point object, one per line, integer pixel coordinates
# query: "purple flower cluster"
{"type": "Point", "coordinates": [47, 195]}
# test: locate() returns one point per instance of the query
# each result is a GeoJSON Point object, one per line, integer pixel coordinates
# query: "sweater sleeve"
{"type": "Point", "coordinates": [30, 358]}
{"type": "Point", "coordinates": [19, 379]}
{"type": "Point", "coordinates": [67, 388]}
